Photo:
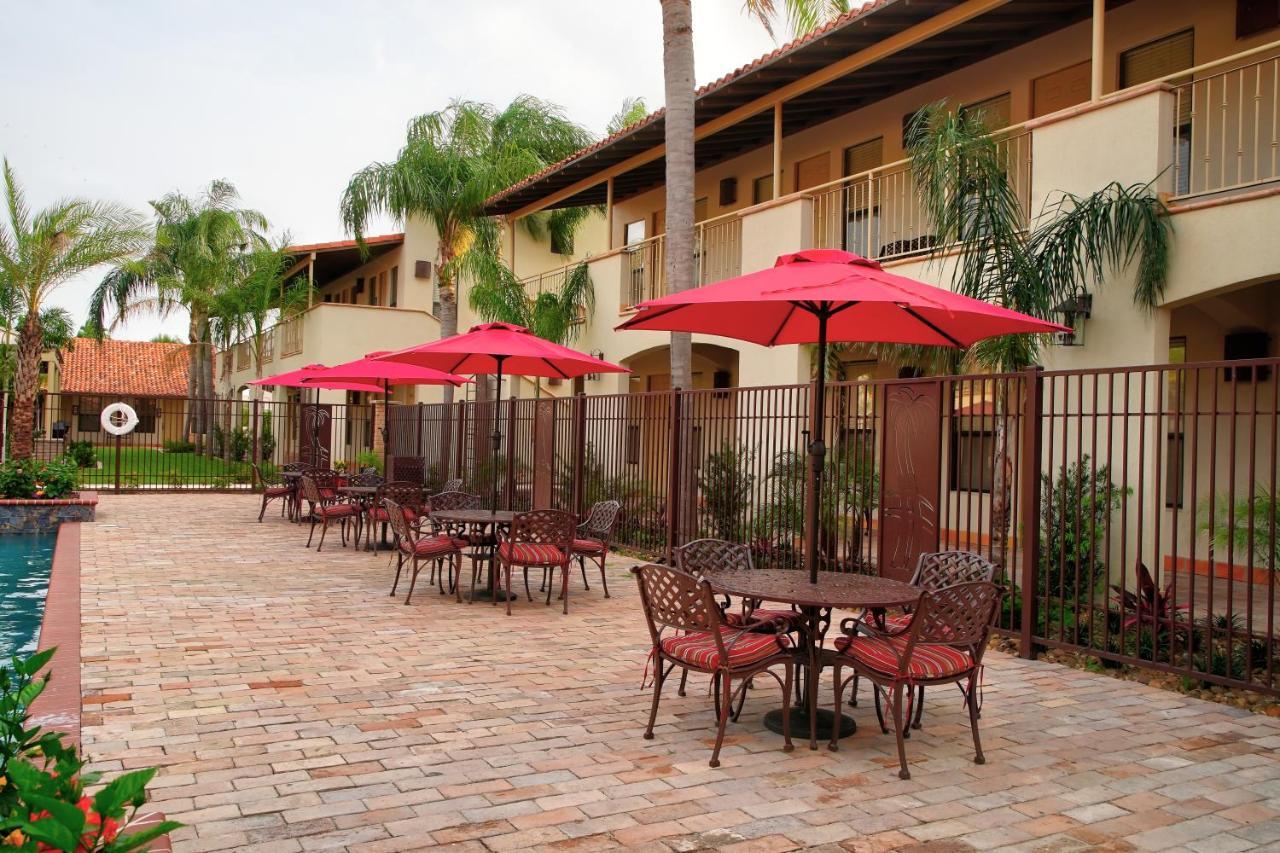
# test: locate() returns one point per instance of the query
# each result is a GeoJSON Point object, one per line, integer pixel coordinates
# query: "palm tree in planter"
{"type": "Point", "coordinates": [961, 177]}
{"type": "Point", "coordinates": [38, 253]}
{"type": "Point", "coordinates": [198, 245]}
{"type": "Point", "coordinates": [452, 161]}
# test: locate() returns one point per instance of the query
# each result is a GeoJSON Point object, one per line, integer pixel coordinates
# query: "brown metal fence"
{"type": "Point", "coordinates": [1130, 511]}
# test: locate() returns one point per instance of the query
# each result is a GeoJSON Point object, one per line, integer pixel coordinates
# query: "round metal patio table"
{"type": "Point", "coordinates": [363, 495]}
{"type": "Point", "coordinates": [834, 590]}
{"type": "Point", "coordinates": [481, 520]}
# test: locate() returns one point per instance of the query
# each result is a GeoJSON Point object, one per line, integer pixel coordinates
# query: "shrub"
{"type": "Point", "coordinates": [218, 440]}
{"type": "Point", "coordinates": [31, 478]}
{"type": "Point", "coordinates": [43, 804]}
{"type": "Point", "coordinates": [82, 453]}
{"type": "Point", "coordinates": [369, 459]}
{"type": "Point", "coordinates": [1074, 510]}
{"type": "Point", "coordinates": [18, 478]}
{"type": "Point", "coordinates": [726, 484]}
{"type": "Point", "coordinates": [179, 446]}
{"type": "Point", "coordinates": [1247, 526]}
{"type": "Point", "coordinates": [267, 441]}
{"type": "Point", "coordinates": [57, 478]}
{"type": "Point", "coordinates": [240, 442]}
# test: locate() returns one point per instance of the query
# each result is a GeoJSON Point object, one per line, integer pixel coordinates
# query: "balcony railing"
{"type": "Point", "coordinates": [242, 356]}
{"type": "Point", "coordinates": [717, 255]}
{"type": "Point", "coordinates": [1227, 128]}
{"type": "Point", "coordinates": [290, 332]}
{"type": "Point", "coordinates": [878, 213]}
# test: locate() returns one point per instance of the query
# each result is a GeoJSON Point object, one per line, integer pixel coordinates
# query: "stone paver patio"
{"type": "Point", "coordinates": [292, 705]}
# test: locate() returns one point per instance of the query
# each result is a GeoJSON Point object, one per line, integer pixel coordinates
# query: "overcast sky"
{"type": "Point", "coordinates": [128, 100]}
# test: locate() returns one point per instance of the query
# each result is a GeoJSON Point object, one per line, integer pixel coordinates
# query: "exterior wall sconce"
{"type": "Point", "coordinates": [1074, 311]}
{"type": "Point", "coordinates": [597, 354]}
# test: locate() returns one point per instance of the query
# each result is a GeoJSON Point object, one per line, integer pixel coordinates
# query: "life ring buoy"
{"type": "Point", "coordinates": [119, 419]}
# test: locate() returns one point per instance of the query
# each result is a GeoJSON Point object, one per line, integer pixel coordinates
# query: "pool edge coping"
{"type": "Point", "coordinates": [59, 707]}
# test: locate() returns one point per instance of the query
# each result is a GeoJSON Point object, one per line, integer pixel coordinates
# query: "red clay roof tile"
{"type": "Point", "coordinates": [125, 368]}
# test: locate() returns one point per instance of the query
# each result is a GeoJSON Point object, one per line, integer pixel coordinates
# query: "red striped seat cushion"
{"type": "Point", "coordinates": [336, 510]}
{"type": "Point", "coordinates": [530, 554]}
{"type": "Point", "coordinates": [379, 513]}
{"type": "Point", "coordinates": [699, 648]}
{"type": "Point", "coordinates": [587, 546]}
{"type": "Point", "coordinates": [928, 660]}
{"type": "Point", "coordinates": [791, 617]}
{"type": "Point", "coordinates": [433, 546]}
{"type": "Point", "coordinates": [277, 491]}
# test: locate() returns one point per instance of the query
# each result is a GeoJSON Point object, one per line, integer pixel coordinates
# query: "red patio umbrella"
{"type": "Point", "coordinates": [295, 379]}
{"type": "Point", "coordinates": [825, 295]}
{"type": "Point", "coordinates": [388, 373]}
{"type": "Point", "coordinates": [492, 348]}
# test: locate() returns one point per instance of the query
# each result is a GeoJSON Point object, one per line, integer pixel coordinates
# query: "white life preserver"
{"type": "Point", "coordinates": [119, 419]}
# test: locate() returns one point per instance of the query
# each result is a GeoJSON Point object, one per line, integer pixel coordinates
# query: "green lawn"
{"type": "Point", "coordinates": [151, 466]}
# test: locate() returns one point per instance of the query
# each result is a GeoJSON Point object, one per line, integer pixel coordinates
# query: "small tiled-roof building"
{"type": "Point", "coordinates": [150, 376]}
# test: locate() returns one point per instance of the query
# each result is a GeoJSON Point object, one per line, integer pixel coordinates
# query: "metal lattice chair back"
{"type": "Point", "coordinates": [310, 489]}
{"type": "Point", "coordinates": [674, 599]}
{"type": "Point", "coordinates": [948, 568]}
{"type": "Point", "coordinates": [957, 615]}
{"type": "Point", "coordinates": [296, 466]}
{"type": "Point", "coordinates": [452, 485]}
{"type": "Point", "coordinates": [448, 500]}
{"type": "Point", "coordinates": [402, 492]}
{"type": "Point", "coordinates": [366, 479]}
{"type": "Point", "coordinates": [264, 479]}
{"type": "Point", "coordinates": [708, 556]}
{"type": "Point", "coordinates": [398, 523]}
{"type": "Point", "coordinates": [325, 479]}
{"type": "Point", "coordinates": [412, 469]}
{"type": "Point", "coordinates": [601, 520]}
{"type": "Point", "coordinates": [544, 527]}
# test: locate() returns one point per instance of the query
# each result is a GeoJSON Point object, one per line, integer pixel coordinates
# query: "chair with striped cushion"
{"type": "Point", "coordinates": [416, 547]}
{"type": "Point", "coordinates": [591, 541]}
{"type": "Point", "coordinates": [934, 570]}
{"type": "Point", "coordinates": [324, 507]}
{"type": "Point", "coordinates": [539, 539]}
{"type": "Point", "coordinates": [688, 631]}
{"type": "Point", "coordinates": [410, 496]}
{"type": "Point", "coordinates": [273, 488]}
{"type": "Point", "coordinates": [942, 645]}
{"type": "Point", "coordinates": [706, 557]}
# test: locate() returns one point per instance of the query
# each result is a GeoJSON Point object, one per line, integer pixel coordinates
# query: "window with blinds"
{"type": "Point", "coordinates": [996, 113]}
{"type": "Point", "coordinates": [762, 189]}
{"type": "Point", "coordinates": [813, 171]}
{"type": "Point", "coordinates": [864, 156]}
{"type": "Point", "coordinates": [1157, 59]}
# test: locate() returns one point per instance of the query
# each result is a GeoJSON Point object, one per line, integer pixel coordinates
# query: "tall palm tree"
{"type": "Point", "coordinates": [452, 161]}
{"type": "Point", "coordinates": [260, 293]}
{"type": "Point", "coordinates": [40, 252]}
{"type": "Point", "coordinates": [198, 245]}
{"type": "Point", "coordinates": [801, 15]}
{"type": "Point", "coordinates": [961, 176]}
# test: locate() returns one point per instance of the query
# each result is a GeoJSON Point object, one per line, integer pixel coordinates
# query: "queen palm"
{"type": "Point", "coordinates": [452, 161]}
{"type": "Point", "coordinates": [38, 253]}
{"type": "Point", "coordinates": [1029, 264]}
{"type": "Point", "coordinates": [198, 245]}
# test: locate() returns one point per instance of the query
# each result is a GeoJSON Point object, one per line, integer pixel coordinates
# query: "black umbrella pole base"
{"type": "Point", "coordinates": [800, 723]}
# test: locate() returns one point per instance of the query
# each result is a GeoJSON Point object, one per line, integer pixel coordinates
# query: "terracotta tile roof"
{"type": "Point", "coordinates": [706, 89]}
{"type": "Point", "coordinates": [339, 245]}
{"type": "Point", "coordinates": [125, 368]}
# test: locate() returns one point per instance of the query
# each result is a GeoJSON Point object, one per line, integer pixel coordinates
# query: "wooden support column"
{"type": "Point", "coordinates": [311, 280]}
{"type": "Point", "coordinates": [1098, 55]}
{"type": "Point", "coordinates": [777, 150]}
{"type": "Point", "coordinates": [608, 213]}
{"type": "Point", "coordinates": [511, 243]}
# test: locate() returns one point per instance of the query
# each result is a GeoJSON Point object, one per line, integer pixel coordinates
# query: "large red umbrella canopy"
{"type": "Point", "coordinates": [862, 303]}
{"type": "Point", "coordinates": [502, 348]}
{"type": "Point", "coordinates": [373, 370]}
{"type": "Point", "coordinates": [297, 379]}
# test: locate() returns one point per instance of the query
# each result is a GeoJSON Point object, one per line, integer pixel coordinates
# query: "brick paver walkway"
{"type": "Point", "coordinates": [292, 705]}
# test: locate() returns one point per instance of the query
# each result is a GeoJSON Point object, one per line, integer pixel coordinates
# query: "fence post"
{"type": "Point", "coordinates": [117, 464]}
{"type": "Point", "coordinates": [419, 450]}
{"type": "Point", "coordinates": [459, 471]}
{"type": "Point", "coordinates": [511, 451]}
{"type": "Point", "coordinates": [579, 451]}
{"type": "Point", "coordinates": [676, 437]}
{"type": "Point", "coordinates": [1029, 501]}
{"type": "Point", "coordinates": [256, 451]}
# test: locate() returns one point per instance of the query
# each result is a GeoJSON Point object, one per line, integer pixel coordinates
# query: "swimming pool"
{"type": "Point", "coordinates": [25, 559]}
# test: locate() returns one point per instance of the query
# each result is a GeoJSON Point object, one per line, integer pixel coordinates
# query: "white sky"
{"type": "Point", "coordinates": [285, 98]}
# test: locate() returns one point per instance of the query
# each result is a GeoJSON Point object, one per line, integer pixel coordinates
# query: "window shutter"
{"type": "Point", "coordinates": [1157, 59]}
{"type": "Point", "coordinates": [864, 156]}
{"type": "Point", "coordinates": [996, 113]}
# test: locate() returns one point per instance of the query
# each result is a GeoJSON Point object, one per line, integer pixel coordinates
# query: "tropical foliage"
{"type": "Point", "coordinates": [1248, 527]}
{"type": "Point", "coordinates": [39, 252]}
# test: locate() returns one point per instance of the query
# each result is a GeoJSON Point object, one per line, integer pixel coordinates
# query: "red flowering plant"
{"type": "Point", "coordinates": [43, 799]}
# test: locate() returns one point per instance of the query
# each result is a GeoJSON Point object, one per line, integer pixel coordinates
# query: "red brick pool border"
{"type": "Point", "coordinates": [58, 708]}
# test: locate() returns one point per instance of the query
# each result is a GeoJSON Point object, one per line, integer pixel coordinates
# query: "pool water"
{"type": "Point", "coordinates": [25, 559]}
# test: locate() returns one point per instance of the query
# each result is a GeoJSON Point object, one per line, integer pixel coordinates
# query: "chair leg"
{"type": "Point", "coordinates": [312, 532]}
{"type": "Point", "coordinates": [603, 580]}
{"type": "Point", "coordinates": [978, 757]}
{"type": "Point", "coordinates": [853, 694]}
{"type": "Point", "coordinates": [413, 580]}
{"type": "Point", "coordinates": [788, 674]}
{"type": "Point", "coordinates": [884, 730]}
{"type": "Point", "coordinates": [475, 574]}
{"type": "Point", "coordinates": [915, 722]}
{"type": "Point", "coordinates": [507, 576]}
{"type": "Point", "coordinates": [262, 511]}
{"type": "Point", "coordinates": [684, 677]}
{"type": "Point", "coordinates": [899, 731]}
{"type": "Point", "coordinates": [399, 566]}
{"type": "Point", "coordinates": [659, 676]}
{"type": "Point", "coordinates": [726, 701]}
{"type": "Point", "coordinates": [528, 596]}
{"type": "Point", "coordinates": [564, 586]}
{"type": "Point", "coordinates": [834, 746]}
{"type": "Point", "coordinates": [582, 564]}
{"type": "Point", "coordinates": [324, 528]}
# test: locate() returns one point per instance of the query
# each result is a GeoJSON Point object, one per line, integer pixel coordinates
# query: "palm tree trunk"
{"type": "Point", "coordinates": [448, 300]}
{"type": "Point", "coordinates": [677, 67]}
{"type": "Point", "coordinates": [188, 427]}
{"type": "Point", "coordinates": [25, 381]}
{"type": "Point", "coordinates": [1001, 482]}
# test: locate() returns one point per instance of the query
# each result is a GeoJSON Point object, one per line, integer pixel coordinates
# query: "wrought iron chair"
{"type": "Point", "coordinates": [706, 557]}
{"type": "Point", "coordinates": [273, 489]}
{"type": "Point", "coordinates": [700, 641]}
{"type": "Point", "coordinates": [295, 498]}
{"type": "Point", "coordinates": [934, 570]}
{"type": "Point", "coordinates": [412, 545]}
{"type": "Point", "coordinates": [366, 478]}
{"type": "Point", "coordinates": [538, 539]}
{"type": "Point", "coordinates": [412, 469]}
{"type": "Point", "coordinates": [452, 485]}
{"type": "Point", "coordinates": [325, 507]}
{"type": "Point", "coordinates": [943, 644]}
{"type": "Point", "coordinates": [591, 541]}
{"type": "Point", "coordinates": [409, 496]}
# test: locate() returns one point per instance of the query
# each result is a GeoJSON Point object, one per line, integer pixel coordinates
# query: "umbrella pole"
{"type": "Point", "coordinates": [386, 432]}
{"type": "Point", "coordinates": [497, 435]}
{"type": "Point", "coordinates": [817, 453]}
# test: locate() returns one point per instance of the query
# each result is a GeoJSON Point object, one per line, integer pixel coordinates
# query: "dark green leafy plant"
{"type": "Point", "coordinates": [369, 459]}
{"type": "Point", "coordinates": [267, 440]}
{"type": "Point", "coordinates": [31, 478]}
{"type": "Point", "coordinates": [1074, 509]}
{"type": "Point", "coordinates": [1246, 526]}
{"type": "Point", "coordinates": [179, 446]}
{"type": "Point", "coordinates": [82, 453]}
{"type": "Point", "coordinates": [726, 485]}
{"type": "Point", "coordinates": [43, 804]}
{"type": "Point", "coordinates": [240, 442]}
